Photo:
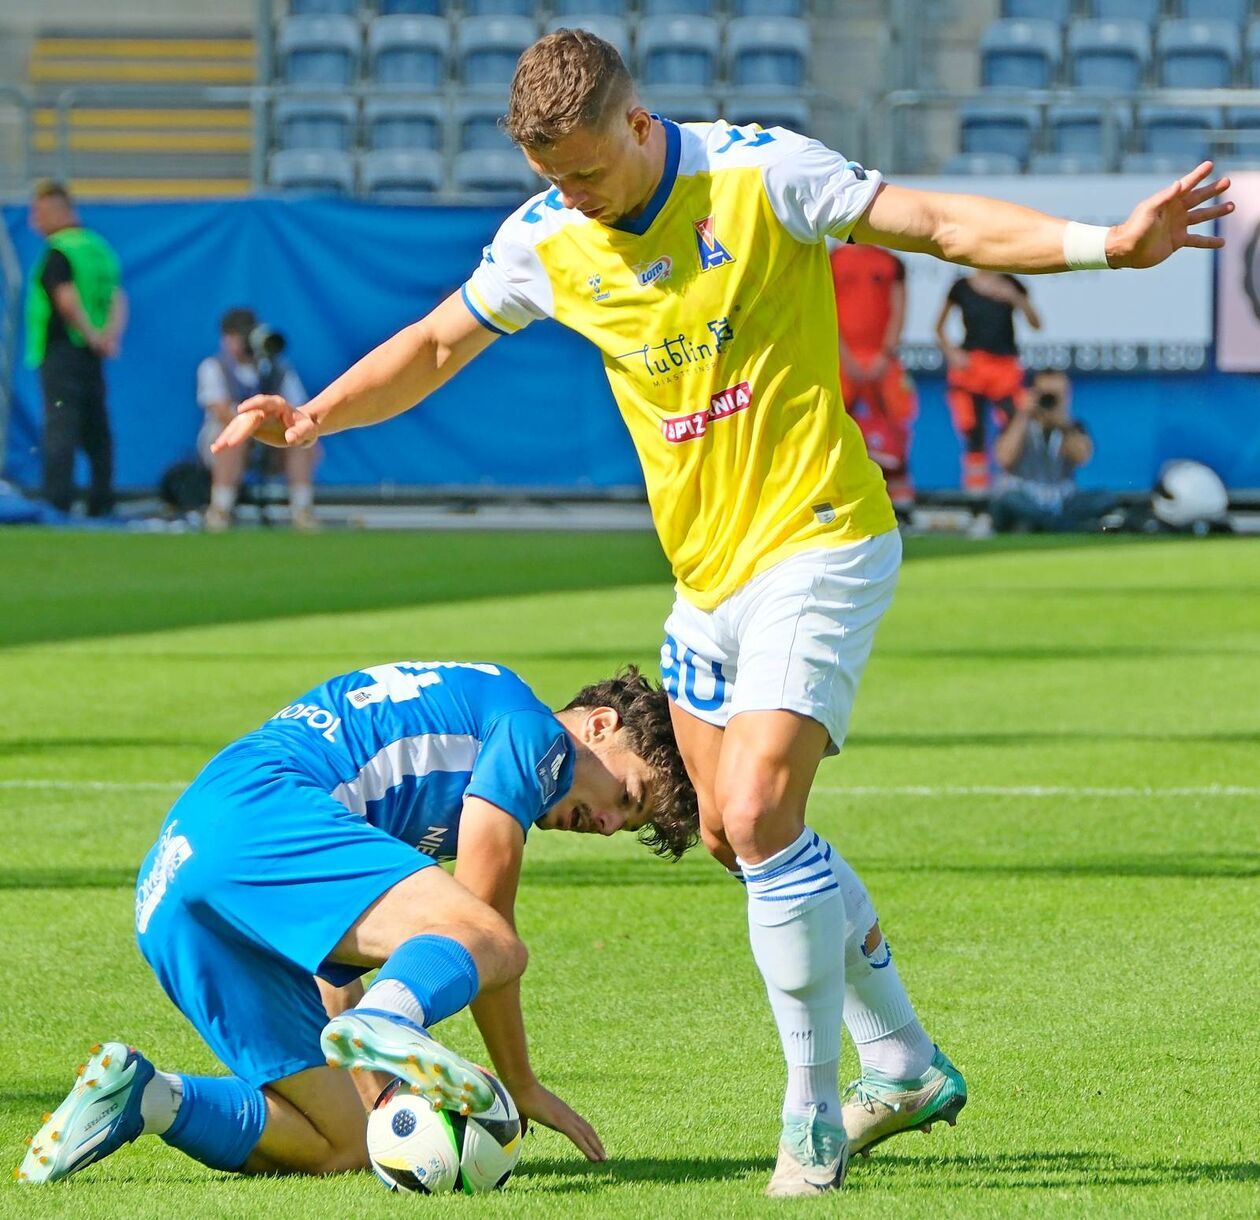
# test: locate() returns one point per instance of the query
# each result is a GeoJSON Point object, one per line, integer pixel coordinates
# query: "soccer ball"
{"type": "Point", "coordinates": [416, 1148]}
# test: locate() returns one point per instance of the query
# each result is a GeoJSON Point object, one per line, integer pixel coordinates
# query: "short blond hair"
{"type": "Point", "coordinates": [567, 79]}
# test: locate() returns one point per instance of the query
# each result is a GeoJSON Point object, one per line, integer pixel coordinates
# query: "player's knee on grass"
{"type": "Point", "coordinates": [315, 1125]}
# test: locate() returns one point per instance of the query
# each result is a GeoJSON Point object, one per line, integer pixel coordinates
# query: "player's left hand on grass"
{"type": "Point", "coordinates": [1160, 226]}
{"type": "Point", "coordinates": [541, 1106]}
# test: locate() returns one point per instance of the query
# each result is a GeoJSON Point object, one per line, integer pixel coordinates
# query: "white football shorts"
{"type": "Point", "coordinates": [796, 637]}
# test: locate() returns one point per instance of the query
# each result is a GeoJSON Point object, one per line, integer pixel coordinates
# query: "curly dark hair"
{"type": "Point", "coordinates": [644, 710]}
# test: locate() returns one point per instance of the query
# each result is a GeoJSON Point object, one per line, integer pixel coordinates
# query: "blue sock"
{"type": "Point", "coordinates": [438, 973]}
{"type": "Point", "coordinates": [219, 1122]}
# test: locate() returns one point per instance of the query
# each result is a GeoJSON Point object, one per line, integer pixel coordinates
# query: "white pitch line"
{"type": "Point", "coordinates": [1035, 790]}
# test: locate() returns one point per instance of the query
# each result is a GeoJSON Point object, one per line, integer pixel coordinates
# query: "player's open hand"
{"type": "Point", "coordinates": [1160, 225]}
{"type": "Point", "coordinates": [270, 419]}
{"type": "Point", "coordinates": [541, 1106]}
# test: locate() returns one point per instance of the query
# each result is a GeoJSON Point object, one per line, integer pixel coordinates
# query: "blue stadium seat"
{"type": "Point", "coordinates": [1152, 163]}
{"type": "Point", "coordinates": [399, 175]}
{"type": "Point", "coordinates": [488, 48]}
{"type": "Point", "coordinates": [1020, 54]}
{"type": "Point", "coordinates": [326, 171]}
{"type": "Point", "coordinates": [1111, 55]}
{"type": "Point", "coordinates": [768, 8]}
{"type": "Point", "coordinates": [1068, 165]}
{"type": "Point", "coordinates": [1175, 131]}
{"type": "Point", "coordinates": [477, 126]}
{"type": "Point", "coordinates": [498, 8]}
{"type": "Point", "coordinates": [573, 9]}
{"type": "Point", "coordinates": [393, 123]}
{"type": "Point", "coordinates": [319, 52]}
{"type": "Point", "coordinates": [1244, 122]}
{"type": "Point", "coordinates": [495, 171]}
{"type": "Point", "coordinates": [1082, 130]}
{"type": "Point", "coordinates": [678, 52]}
{"type": "Point", "coordinates": [1198, 54]}
{"type": "Point", "coordinates": [991, 165]}
{"type": "Point", "coordinates": [677, 8]}
{"type": "Point", "coordinates": [768, 53]}
{"type": "Point", "coordinates": [315, 122]}
{"type": "Point", "coordinates": [990, 127]}
{"type": "Point", "coordinates": [323, 8]}
{"type": "Point", "coordinates": [409, 52]}
{"type": "Point", "coordinates": [790, 112]}
{"type": "Point", "coordinates": [685, 107]}
{"type": "Point", "coordinates": [1253, 54]}
{"type": "Point", "coordinates": [1046, 10]}
{"type": "Point", "coordinates": [611, 29]}
{"type": "Point", "coordinates": [1145, 11]}
{"type": "Point", "coordinates": [1234, 11]}
{"type": "Point", "coordinates": [411, 8]}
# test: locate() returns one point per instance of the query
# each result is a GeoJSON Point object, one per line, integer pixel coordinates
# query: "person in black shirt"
{"type": "Point", "coordinates": [75, 314]}
{"type": "Point", "coordinates": [985, 372]}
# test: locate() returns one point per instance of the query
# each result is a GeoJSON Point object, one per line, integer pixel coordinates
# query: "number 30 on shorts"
{"type": "Point", "coordinates": [690, 679]}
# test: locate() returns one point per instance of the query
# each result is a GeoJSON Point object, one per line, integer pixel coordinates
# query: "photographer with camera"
{"type": "Point", "coordinates": [248, 362]}
{"type": "Point", "coordinates": [1038, 453]}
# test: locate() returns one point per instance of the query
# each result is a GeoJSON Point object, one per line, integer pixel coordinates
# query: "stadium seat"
{"type": "Point", "coordinates": [324, 170]}
{"type": "Point", "coordinates": [1244, 124]}
{"type": "Point", "coordinates": [318, 52]}
{"type": "Point", "coordinates": [394, 123]}
{"type": "Point", "coordinates": [768, 8]}
{"type": "Point", "coordinates": [1152, 163]}
{"type": "Point", "coordinates": [399, 175]}
{"type": "Point", "coordinates": [315, 122]}
{"type": "Point", "coordinates": [410, 8]}
{"type": "Point", "coordinates": [1020, 54]}
{"type": "Point", "coordinates": [409, 52]}
{"type": "Point", "coordinates": [768, 53]}
{"type": "Point", "coordinates": [1198, 54]}
{"type": "Point", "coordinates": [1234, 11]}
{"type": "Point", "coordinates": [1082, 130]}
{"type": "Point", "coordinates": [1181, 132]}
{"type": "Point", "coordinates": [488, 48]}
{"type": "Point", "coordinates": [477, 126]}
{"type": "Point", "coordinates": [573, 9]}
{"type": "Point", "coordinates": [495, 171]}
{"type": "Point", "coordinates": [990, 127]}
{"type": "Point", "coordinates": [498, 8]}
{"type": "Point", "coordinates": [679, 52]}
{"type": "Point", "coordinates": [611, 29]}
{"type": "Point", "coordinates": [1067, 165]}
{"type": "Point", "coordinates": [324, 8]}
{"type": "Point", "coordinates": [684, 107]}
{"type": "Point", "coordinates": [1253, 55]}
{"type": "Point", "coordinates": [1145, 11]}
{"type": "Point", "coordinates": [677, 8]}
{"type": "Point", "coordinates": [981, 164]}
{"type": "Point", "coordinates": [1046, 10]}
{"type": "Point", "coordinates": [1111, 55]}
{"type": "Point", "coordinates": [790, 112]}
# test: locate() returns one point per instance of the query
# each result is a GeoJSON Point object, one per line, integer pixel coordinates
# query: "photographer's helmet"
{"type": "Point", "coordinates": [1189, 494]}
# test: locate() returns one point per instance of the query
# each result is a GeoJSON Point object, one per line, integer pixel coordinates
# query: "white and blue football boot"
{"type": "Point", "coordinates": [99, 1115]}
{"type": "Point", "coordinates": [367, 1040]}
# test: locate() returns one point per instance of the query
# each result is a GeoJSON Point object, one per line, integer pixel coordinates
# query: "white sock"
{"type": "Point", "coordinates": [223, 497]}
{"type": "Point", "coordinates": [301, 497]}
{"type": "Point", "coordinates": [794, 907]}
{"type": "Point", "coordinates": [389, 995]}
{"type": "Point", "coordinates": [880, 1018]}
{"type": "Point", "coordinates": [159, 1103]}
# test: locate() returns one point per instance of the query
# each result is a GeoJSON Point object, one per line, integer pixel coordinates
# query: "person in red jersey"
{"type": "Point", "coordinates": [871, 308]}
{"type": "Point", "coordinates": [985, 372]}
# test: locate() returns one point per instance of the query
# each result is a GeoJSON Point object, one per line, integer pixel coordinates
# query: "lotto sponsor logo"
{"type": "Point", "coordinates": [653, 272]}
{"type": "Point", "coordinates": [726, 402]}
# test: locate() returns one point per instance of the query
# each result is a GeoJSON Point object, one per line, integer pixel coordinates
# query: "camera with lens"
{"type": "Point", "coordinates": [266, 343]}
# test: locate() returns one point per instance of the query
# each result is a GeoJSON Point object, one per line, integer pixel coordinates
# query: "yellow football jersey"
{"type": "Point", "coordinates": [715, 313]}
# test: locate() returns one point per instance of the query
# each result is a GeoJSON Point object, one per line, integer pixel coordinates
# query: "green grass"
{"type": "Point", "coordinates": [1086, 955]}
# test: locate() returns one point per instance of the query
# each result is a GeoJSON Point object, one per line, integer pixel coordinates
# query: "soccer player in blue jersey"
{"type": "Point", "coordinates": [304, 855]}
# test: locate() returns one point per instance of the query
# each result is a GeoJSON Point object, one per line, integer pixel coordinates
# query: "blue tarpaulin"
{"type": "Point", "coordinates": [535, 411]}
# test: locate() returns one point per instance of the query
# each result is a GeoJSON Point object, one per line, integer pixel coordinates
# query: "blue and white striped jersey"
{"type": "Point", "coordinates": [403, 744]}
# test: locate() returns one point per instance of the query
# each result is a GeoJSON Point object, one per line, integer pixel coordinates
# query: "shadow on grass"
{"type": "Point", "coordinates": [50, 745]}
{"type": "Point", "coordinates": [1231, 866]}
{"type": "Point", "coordinates": [68, 878]}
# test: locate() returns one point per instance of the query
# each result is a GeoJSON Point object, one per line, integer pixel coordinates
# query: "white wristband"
{"type": "Point", "coordinates": [1085, 247]}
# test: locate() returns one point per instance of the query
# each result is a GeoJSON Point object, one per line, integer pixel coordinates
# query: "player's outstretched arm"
{"type": "Point", "coordinates": [386, 382]}
{"type": "Point", "coordinates": [999, 236]}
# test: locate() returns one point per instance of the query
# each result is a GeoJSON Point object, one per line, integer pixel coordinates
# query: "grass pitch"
{"type": "Point", "coordinates": [1051, 790]}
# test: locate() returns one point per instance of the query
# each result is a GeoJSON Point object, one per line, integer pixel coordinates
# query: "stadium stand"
{"type": "Point", "coordinates": [316, 123]}
{"type": "Point", "coordinates": [319, 52]}
{"type": "Point", "coordinates": [1068, 164]}
{"type": "Point", "coordinates": [487, 49]}
{"type": "Point", "coordinates": [395, 123]}
{"type": "Point", "coordinates": [1253, 55]}
{"type": "Point", "coordinates": [1108, 54]}
{"type": "Point", "coordinates": [1146, 11]}
{"type": "Point", "coordinates": [1048, 10]}
{"type": "Point", "coordinates": [492, 171]}
{"type": "Point", "coordinates": [401, 175]}
{"type": "Point", "coordinates": [767, 8]}
{"type": "Point", "coordinates": [1233, 11]}
{"type": "Point", "coordinates": [982, 164]}
{"type": "Point", "coordinates": [477, 126]}
{"type": "Point", "coordinates": [574, 10]}
{"type": "Point", "coordinates": [1172, 131]}
{"type": "Point", "coordinates": [409, 51]}
{"type": "Point", "coordinates": [1019, 54]}
{"type": "Point", "coordinates": [679, 52]}
{"type": "Point", "coordinates": [778, 111]}
{"type": "Point", "coordinates": [992, 127]}
{"type": "Point", "coordinates": [1196, 54]}
{"type": "Point", "coordinates": [324, 8]}
{"type": "Point", "coordinates": [310, 169]}
{"type": "Point", "coordinates": [677, 8]}
{"type": "Point", "coordinates": [410, 8]}
{"type": "Point", "coordinates": [768, 53]}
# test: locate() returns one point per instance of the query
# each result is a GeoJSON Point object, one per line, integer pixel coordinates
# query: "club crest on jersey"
{"type": "Point", "coordinates": [656, 271]}
{"type": "Point", "coordinates": [712, 252]}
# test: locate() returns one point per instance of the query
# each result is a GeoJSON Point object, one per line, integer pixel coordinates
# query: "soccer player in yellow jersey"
{"type": "Point", "coordinates": [693, 256]}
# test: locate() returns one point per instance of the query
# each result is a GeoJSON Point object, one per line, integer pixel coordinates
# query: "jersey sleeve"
{"type": "Point", "coordinates": [815, 192]}
{"type": "Point", "coordinates": [509, 289]}
{"type": "Point", "coordinates": [524, 766]}
{"type": "Point", "coordinates": [212, 386]}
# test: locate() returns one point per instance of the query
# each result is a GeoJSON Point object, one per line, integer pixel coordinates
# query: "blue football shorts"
{"type": "Point", "coordinates": [256, 876]}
